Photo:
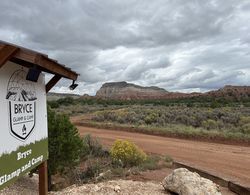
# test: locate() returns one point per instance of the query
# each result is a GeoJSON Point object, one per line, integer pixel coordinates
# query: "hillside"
{"type": "Point", "coordinates": [129, 91]}
{"type": "Point", "coordinates": [231, 92]}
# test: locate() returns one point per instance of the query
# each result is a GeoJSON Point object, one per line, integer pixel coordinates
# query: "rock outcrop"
{"type": "Point", "coordinates": [231, 92]}
{"type": "Point", "coordinates": [129, 91]}
{"type": "Point", "coordinates": [184, 182]}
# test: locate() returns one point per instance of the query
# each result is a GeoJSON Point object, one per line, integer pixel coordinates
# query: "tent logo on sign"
{"type": "Point", "coordinates": [21, 96]}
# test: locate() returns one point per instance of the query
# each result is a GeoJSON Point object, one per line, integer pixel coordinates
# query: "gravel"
{"type": "Point", "coordinates": [124, 187]}
{"type": "Point", "coordinates": [29, 186]}
{"type": "Point", "coordinates": [24, 186]}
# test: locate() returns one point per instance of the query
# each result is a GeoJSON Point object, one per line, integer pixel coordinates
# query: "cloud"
{"type": "Point", "coordinates": [175, 44]}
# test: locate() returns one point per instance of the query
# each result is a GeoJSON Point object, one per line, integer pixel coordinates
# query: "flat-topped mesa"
{"type": "Point", "coordinates": [245, 89]}
{"type": "Point", "coordinates": [128, 91]}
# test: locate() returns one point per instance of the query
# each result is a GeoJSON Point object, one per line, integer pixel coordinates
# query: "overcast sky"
{"type": "Point", "coordinates": [180, 45]}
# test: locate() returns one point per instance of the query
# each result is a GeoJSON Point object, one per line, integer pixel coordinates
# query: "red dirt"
{"type": "Point", "coordinates": [226, 161]}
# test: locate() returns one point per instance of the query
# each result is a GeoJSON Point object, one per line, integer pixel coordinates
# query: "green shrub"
{"type": "Point", "coordinates": [168, 159]}
{"type": "Point", "coordinates": [127, 153]}
{"type": "Point", "coordinates": [53, 104]}
{"type": "Point", "coordinates": [66, 101]}
{"type": "Point", "coordinates": [244, 120]}
{"type": "Point", "coordinates": [93, 170]}
{"type": "Point", "coordinates": [92, 146]}
{"type": "Point", "coordinates": [65, 144]}
{"type": "Point", "coordinates": [150, 118]}
{"type": "Point", "coordinates": [246, 128]}
{"type": "Point", "coordinates": [151, 163]}
{"type": "Point", "coordinates": [210, 124]}
{"type": "Point", "coordinates": [118, 171]}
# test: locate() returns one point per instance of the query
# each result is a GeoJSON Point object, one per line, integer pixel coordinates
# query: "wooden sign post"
{"type": "Point", "coordinates": [43, 178]}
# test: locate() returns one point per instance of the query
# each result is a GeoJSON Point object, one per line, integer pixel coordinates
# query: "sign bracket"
{"type": "Point", "coordinates": [52, 82]}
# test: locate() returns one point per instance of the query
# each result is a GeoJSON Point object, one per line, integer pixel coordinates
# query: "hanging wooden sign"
{"type": "Point", "coordinates": [23, 128]}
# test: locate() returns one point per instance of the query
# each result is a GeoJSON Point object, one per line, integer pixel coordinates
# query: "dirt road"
{"type": "Point", "coordinates": [227, 161]}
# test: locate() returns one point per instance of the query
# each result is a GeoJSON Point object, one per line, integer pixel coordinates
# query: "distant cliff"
{"type": "Point", "coordinates": [231, 92]}
{"type": "Point", "coordinates": [129, 91]}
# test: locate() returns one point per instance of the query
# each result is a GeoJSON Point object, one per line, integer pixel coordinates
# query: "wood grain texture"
{"type": "Point", "coordinates": [6, 53]}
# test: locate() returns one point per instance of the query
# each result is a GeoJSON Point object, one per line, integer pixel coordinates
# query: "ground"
{"type": "Point", "coordinates": [124, 187]}
{"type": "Point", "coordinates": [227, 161]}
{"type": "Point", "coordinates": [146, 183]}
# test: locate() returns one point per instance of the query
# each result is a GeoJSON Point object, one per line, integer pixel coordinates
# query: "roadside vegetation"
{"type": "Point", "coordinates": [214, 102]}
{"type": "Point", "coordinates": [76, 160]}
{"type": "Point", "coordinates": [198, 118]}
{"type": "Point", "coordinates": [123, 159]}
{"type": "Point", "coordinates": [226, 122]}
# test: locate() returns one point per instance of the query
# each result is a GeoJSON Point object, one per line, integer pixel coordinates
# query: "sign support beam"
{"type": "Point", "coordinates": [43, 178]}
{"type": "Point", "coordinates": [52, 82]}
{"type": "Point", "coordinates": [6, 53]}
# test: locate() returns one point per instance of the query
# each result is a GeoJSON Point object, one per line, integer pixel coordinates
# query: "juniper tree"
{"type": "Point", "coordinates": [65, 144]}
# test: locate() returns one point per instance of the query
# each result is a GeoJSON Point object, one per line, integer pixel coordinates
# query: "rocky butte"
{"type": "Point", "coordinates": [129, 91]}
